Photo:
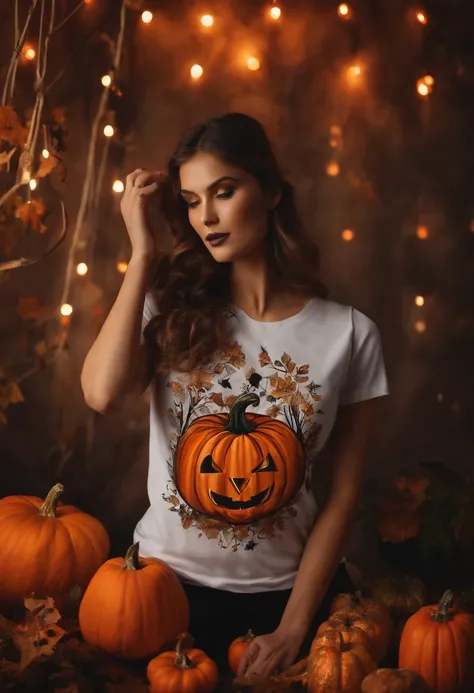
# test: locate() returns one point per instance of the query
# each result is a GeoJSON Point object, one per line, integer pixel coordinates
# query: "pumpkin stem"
{"type": "Point", "coordinates": [343, 646]}
{"type": "Point", "coordinates": [131, 560]}
{"type": "Point", "coordinates": [443, 615]}
{"type": "Point", "coordinates": [182, 660]}
{"type": "Point", "coordinates": [250, 635]}
{"type": "Point", "coordinates": [238, 422]}
{"type": "Point", "coordinates": [48, 509]}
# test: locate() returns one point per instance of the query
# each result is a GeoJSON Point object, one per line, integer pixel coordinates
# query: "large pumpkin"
{"type": "Point", "coordinates": [133, 606]}
{"type": "Point", "coordinates": [375, 626]}
{"type": "Point", "coordinates": [47, 548]}
{"type": "Point", "coordinates": [402, 596]}
{"type": "Point", "coordinates": [335, 666]}
{"type": "Point", "coordinates": [184, 671]}
{"type": "Point", "coordinates": [438, 643]}
{"type": "Point", "coordinates": [394, 681]}
{"type": "Point", "coordinates": [366, 606]}
{"type": "Point", "coordinates": [239, 467]}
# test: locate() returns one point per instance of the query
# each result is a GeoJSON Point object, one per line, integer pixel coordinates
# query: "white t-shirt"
{"type": "Point", "coordinates": [232, 445]}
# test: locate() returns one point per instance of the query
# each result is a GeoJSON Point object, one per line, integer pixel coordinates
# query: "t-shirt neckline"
{"type": "Point", "coordinates": [273, 323]}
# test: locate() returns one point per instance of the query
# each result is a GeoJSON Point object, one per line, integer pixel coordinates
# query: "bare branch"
{"type": "Point", "coordinates": [68, 17]}
{"type": "Point", "coordinates": [16, 53]}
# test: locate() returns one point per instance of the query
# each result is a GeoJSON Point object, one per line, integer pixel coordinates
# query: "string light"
{"type": "Point", "coordinates": [106, 80]}
{"type": "Point", "coordinates": [122, 266]}
{"type": "Point", "coordinates": [207, 20]}
{"type": "Point", "coordinates": [118, 186]}
{"type": "Point", "coordinates": [419, 301]}
{"type": "Point", "coordinates": [332, 169]}
{"type": "Point", "coordinates": [348, 235]}
{"type": "Point", "coordinates": [422, 232]}
{"type": "Point", "coordinates": [344, 11]}
{"type": "Point", "coordinates": [66, 309]}
{"type": "Point", "coordinates": [196, 71]}
{"type": "Point", "coordinates": [253, 64]}
{"type": "Point", "coordinates": [45, 154]}
{"type": "Point", "coordinates": [29, 53]}
{"type": "Point", "coordinates": [33, 184]}
{"type": "Point", "coordinates": [109, 131]}
{"type": "Point", "coordinates": [421, 17]}
{"type": "Point", "coordinates": [424, 85]}
{"type": "Point", "coordinates": [353, 74]}
{"type": "Point", "coordinates": [81, 269]}
{"type": "Point", "coordinates": [420, 326]}
{"type": "Point", "coordinates": [275, 12]}
{"type": "Point", "coordinates": [147, 17]}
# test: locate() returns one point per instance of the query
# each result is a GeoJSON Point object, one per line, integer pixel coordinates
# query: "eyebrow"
{"type": "Point", "coordinates": [212, 185]}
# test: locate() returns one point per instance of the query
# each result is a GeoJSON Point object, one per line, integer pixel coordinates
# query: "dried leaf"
{"type": "Point", "coordinates": [46, 166]}
{"type": "Point", "coordinates": [5, 158]}
{"type": "Point", "coordinates": [10, 393]}
{"type": "Point", "coordinates": [11, 128]}
{"type": "Point", "coordinates": [33, 213]}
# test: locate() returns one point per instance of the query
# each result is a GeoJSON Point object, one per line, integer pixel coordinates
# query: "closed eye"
{"type": "Point", "coordinates": [221, 196]}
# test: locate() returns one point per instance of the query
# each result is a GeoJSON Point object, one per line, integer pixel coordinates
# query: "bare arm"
{"type": "Point", "coordinates": [117, 364]}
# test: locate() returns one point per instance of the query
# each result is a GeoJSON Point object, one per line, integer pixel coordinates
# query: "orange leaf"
{"type": "Point", "coordinates": [11, 128]}
{"type": "Point", "coordinates": [32, 213]}
{"type": "Point", "coordinates": [46, 166]}
{"type": "Point", "coordinates": [5, 158]}
{"type": "Point", "coordinates": [30, 308]}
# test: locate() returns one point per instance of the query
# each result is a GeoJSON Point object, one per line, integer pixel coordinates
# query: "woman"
{"type": "Point", "coordinates": [252, 368]}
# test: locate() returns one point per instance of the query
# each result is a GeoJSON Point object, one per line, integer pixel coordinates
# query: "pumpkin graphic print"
{"type": "Point", "coordinates": [239, 467]}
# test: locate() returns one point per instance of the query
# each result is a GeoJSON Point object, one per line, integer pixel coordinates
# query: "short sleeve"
{"type": "Point", "coordinates": [149, 310]}
{"type": "Point", "coordinates": [366, 376]}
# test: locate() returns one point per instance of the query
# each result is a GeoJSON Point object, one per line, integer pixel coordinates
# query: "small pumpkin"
{"type": "Point", "coordinates": [47, 548]}
{"type": "Point", "coordinates": [237, 649]}
{"type": "Point", "coordinates": [437, 642]}
{"type": "Point", "coordinates": [335, 666]}
{"type": "Point", "coordinates": [367, 606]}
{"type": "Point", "coordinates": [402, 596]}
{"type": "Point", "coordinates": [394, 681]}
{"type": "Point", "coordinates": [182, 671]}
{"type": "Point", "coordinates": [374, 625]}
{"type": "Point", "coordinates": [133, 606]}
{"type": "Point", "coordinates": [239, 467]}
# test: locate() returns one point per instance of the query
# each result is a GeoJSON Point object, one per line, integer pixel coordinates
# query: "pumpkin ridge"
{"type": "Point", "coordinates": [456, 647]}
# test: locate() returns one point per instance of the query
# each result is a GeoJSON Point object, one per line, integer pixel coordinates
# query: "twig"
{"type": "Point", "coordinates": [16, 53]}
{"type": "Point", "coordinates": [86, 188]}
{"type": "Point", "coordinates": [68, 17]}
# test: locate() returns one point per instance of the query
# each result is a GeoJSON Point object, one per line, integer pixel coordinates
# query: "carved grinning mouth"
{"type": "Point", "coordinates": [229, 504]}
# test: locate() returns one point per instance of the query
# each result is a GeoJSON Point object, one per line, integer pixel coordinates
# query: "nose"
{"type": "Point", "coordinates": [209, 217]}
{"type": "Point", "coordinates": [239, 484]}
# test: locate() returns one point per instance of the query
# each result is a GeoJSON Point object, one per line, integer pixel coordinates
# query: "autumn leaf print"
{"type": "Point", "coordinates": [282, 388]}
{"type": "Point", "coordinates": [233, 354]}
{"type": "Point", "coordinates": [200, 380]}
{"type": "Point", "coordinates": [264, 358]}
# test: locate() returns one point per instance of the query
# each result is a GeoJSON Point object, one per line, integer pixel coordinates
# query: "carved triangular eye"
{"type": "Point", "coordinates": [208, 466]}
{"type": "Point", "coordinates": [266, 465]}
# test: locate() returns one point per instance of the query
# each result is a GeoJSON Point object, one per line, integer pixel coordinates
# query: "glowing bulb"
{"type": "Point", "coordinates": [354, 71]}
{"type": "Point", "coordinates": [275, 13]}
{"type": "Point", "coordinates": [344, 11]}
{"type": "Point", "coordinates": [253, 64]}
{"type": "Point", "coordinates": [29, 53]}
{"type": "Point", "coordinates": [109, 131]}
{"type": "Point", "coordinates": [420, 326]}
{"type": "Point", "coordinates": [196, 71]}
{"type": "Point", "coordinates": [207, 20]}
{"type": "Point", "coordinates": [81, 269]}
{"type": "Point", "coordinates": [423, 89]}
{"type": "Point", "coordinates": [118, 186]}
{"type": "Point", "coordinates": [106, 80]}
{"type": "Point", "coordinates": [33, 184]}
{"type": "Point", "coordinates": [332, 169]}
{"type": "Point", "coordinates": [336, 131]}
{"type": "Point", "coordinates": [45, 154]}
{"type": "Point", "coordinates": [347, 235]}
{"type": "Point", "coordinates": [66, 309]}
{"type": "Point", "coordinates": [122, 267]}
{"type": "Point", "coordinates": [147, 17]}
{"type": "Point", "coordinates": [422, 232]}
{"type": "Point", "coordinates": [420, 301]}
{"type": "Point", "coordinates": [429, 80]}
{"type": "Point", "coordinates": [422, 18]}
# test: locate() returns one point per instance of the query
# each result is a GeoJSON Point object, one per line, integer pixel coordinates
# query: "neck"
{"type": "Point", "coordinates": [252, 286]}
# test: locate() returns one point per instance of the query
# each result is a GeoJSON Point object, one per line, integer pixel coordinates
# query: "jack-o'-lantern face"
{"type": "Point", "coordinates": [239, 467]}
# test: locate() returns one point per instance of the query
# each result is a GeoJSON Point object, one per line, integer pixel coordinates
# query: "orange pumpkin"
{"type": "Point", "coordinates": [335, 666]}
{"type": "Point", "coordinates": [375, 626]}
{"type": "Point", "coordinates": [237, 649]}
{"type": "Point", "coordinates": [402, 596]}
{"type": "Point", "coordinates": [369, 607]}
{"type": "Point", "coordinates": [47, 548]}
{"type": "Point", "coordinates": [394, 681]}
{"type": "Point", "coordinates": [182, 671]}
{"type": "Point", "coordinates": [438, 643]}
{"type": "Point", "coordinates": [133, 606]}
{"type": "Point", "coordinates": [239, 467]}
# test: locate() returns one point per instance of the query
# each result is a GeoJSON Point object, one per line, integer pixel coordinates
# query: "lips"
{"type": "Point", "coordinates": [216, 238]}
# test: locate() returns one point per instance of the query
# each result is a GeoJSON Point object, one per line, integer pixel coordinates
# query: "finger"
{"type": "Point", "coordinates": [131, 178]}
{"type": "Point", "coordinates": [148, 190]}
{"type": "Point", "coordinates": [248, 657]}
{"type": "Point", "coordinates": [269, 666]}
{"type": "Point", "coordinates": [146, 177]}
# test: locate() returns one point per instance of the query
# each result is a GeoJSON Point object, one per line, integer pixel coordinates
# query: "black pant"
{"type": "Point", "coordinates": [219, 616]}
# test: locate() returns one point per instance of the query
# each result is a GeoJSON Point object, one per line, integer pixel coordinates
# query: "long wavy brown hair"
{"type": "Point", "coordinates": [191, 289]}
